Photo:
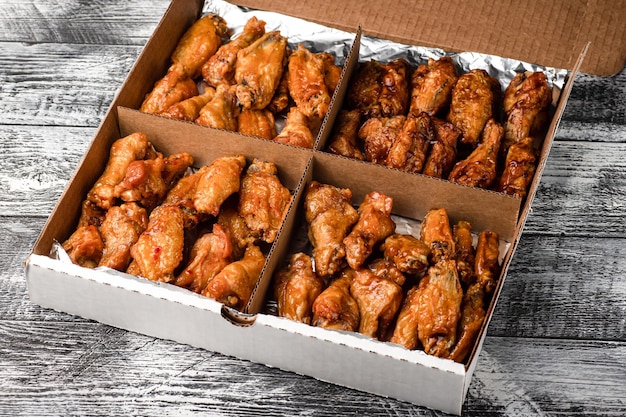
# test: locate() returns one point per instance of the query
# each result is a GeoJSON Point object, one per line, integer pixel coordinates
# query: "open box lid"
{"type": "Point", "coordinates": [546, 32]}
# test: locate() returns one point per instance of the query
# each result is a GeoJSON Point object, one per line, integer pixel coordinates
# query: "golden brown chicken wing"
{"type": "Point", "coordinates": [395, 93]}
{"type": "Point", "coordinates": [259, 123]}
{"type": "Point", "coordinates": [487, 266]}
{"type": "Point", "coordinates": [91, 214]}
{"type": "Point", "coordinates": [408, 253]}
{"type": "Point", "coordinates": [405, 330]}
{"type": "Point", "coordinates": [159, 249]}
{"type": "Point", "coordinates": [479, 169]}
{"type": "Point", "coordinates": [235, 227]}
{"type": "Point", "coordinates": [345, 135]}
{"type": "Point", "coordinates": [280, 99]}
{"type": "Point", "coordinates": [465, 256]}
{"type": "Point", "coordinates": [473, 100]}
{"type": "Point", "coordinates": [384, 268]}
{"type": "Point", "coordinates": [306, 82]}
{"type": "Point", "coordinates": [442, 155]}
{"type": "Point", "coordinates": [437, 235]}
{"type": "Point", "coordinates": [181, 195]}
{"type": "Point", "coordinates": [218, 181]}
{"type": "Point", "coordinates": [330, 215]}
{"type": "Point", "coordinates": [378, 135]}
{"type": "Point", "coordinates": [199, 43]}
{"type": "Point", "coordinates": [372, 227]}
{"type": "Point", "coordinates": [472, 317]}
{"type": "Point", "coordinates": [210, 253]}
{"type": "Point", "coordinates": [263, 200]}
{"type": "Point", "coordinates": [431, 86]}
{"type": "Point", "coordinates": [409, 148]}
{"type": "Point", "coordinates": [259, 69]}
{"type": "Point", "coordinates": [332, 72]}
{"type": "Point", "coordinates": [335, 308]}
{"type": "Point", "coordinates": [296, 288]}
{"type": "Point", "coordinates": [519, 168]}
{"type": "Point", "coordinates": [222, 111]}
{"type": "Point", "coordinates": [84, 246]}
{"type": "Point", "coordinates": [234, 284]}
{"type": "Point", "coordinates": [297, 130]}
{"type": "Point", "coordinates": [120, 230]}
{"type": "Point", "coordinates": [220, 67]}
{"type": "Point", "coordinates": [173, 88]}
{"type": "Point", "coordinates": [189, 109]}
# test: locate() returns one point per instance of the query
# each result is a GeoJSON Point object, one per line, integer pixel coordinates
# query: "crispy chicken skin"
{"type": "Point", "coordinates": [234, 284]}
{"type": "Point", "coordinates": [465, 256]}
{"type": "Point", "coordinates": [487, 266]}
{"type": "Point", "coordinates": [222, 111]}
{"type": "Point", "coordinates": [258, 123]}
{"type": "Point", "coordinates": [442, 155]}
{"type": "Point", "coordinates": [84, 246]}
{"type": "Point", "coordinates": [472, 317]}
{"type": "Point", "coordinates": [344, 139]}
{"type": "Point", "coordinates": [437, 235]}
{"type": "Point", "coordinates": [173, 88]}
{"type": "Point", "coordinates": [379, 300]}
{"type": "Point", "coordinates": [297, 130]}
{"type": "Point", "coordinates": [519, 168]}
{"type": "Point", "coordinates": [235, 227]}
{"type": "Point", "coordinates": [263, 200]}
{"type": "Point", "coordinates": [259, 68]}
{"type": "Point", "coordinates": [431, 86]}
{"type": "Point", "coordinates": [220, 67]}
{"type": "Point", "coordinates": [373, 226]}
{"type": "Point", "coordinates": [364, 89]}
{"type": "Point", "coordinates": [210, 253]}
{"type": "Point", "coordinates": [296, 287]}
{"type": "Point", "coordinates": [189, 109]}
{"type": "Point", "coordinates": [330, 215]}
{"type": "Point", "coordinates": [479, 169]}
{"type": "Point", "coordinates": [408, 253]}
{"type": "Point", "coordinates": [199, 43]}
{"type": "Point", "coordinates": [123, 151]}
{"type": "Point", "coordinates": [120, 230]}
{"type": "Point", "coordinates": [306, 82]}
{"type": "Point", "coordinates": [218, 181]}
{"type": "Point", "coordinates": [378, 134]}
{"type": "Point", "coordinates": [335, 308]}
{"type": "Point", "coordinates": [405, 330]}
{"type": "Point", "coordinates": [473, 100]}
{"type": "Point", "coordinates": [159, 249]}
{"type": "Point", "coordinates": [409, 148]}
{"type": "Point", "coordinates": [395, 93]}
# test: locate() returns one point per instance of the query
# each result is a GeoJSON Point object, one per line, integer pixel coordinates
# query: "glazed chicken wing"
{"type": "Point", "coordinates": [442, 154]}
{"type": "Point", "coordinates": [437, 235]}
{"type": "Point", "coordinates": [487, 265]}
{"type": "Point", "coordinates": [297, 130]}
{"type": "Point", "coordinates": [386, 269]}
{"type": "Point", "coordinates": [263, 200]}
{"type": "Point", "coordinates": [189, 109]}
{"type": "Point", "coordinates": [220, 67]}
{"type": "Point", "coordinates": [120, 230]}
{"type": "Point", "coordinates": [405, 330]}
{"type": "Point", "coordinates": [173, 88]}
{"type": "Point", "coordinates": [306, 82]}
{"type": "Point", "coordinates": [335, 308]}
{"type": "Point", "coordinates": [296, 288]}
{"type": "Point", "coordinates": [431, 86]}
{"type": "Point", "coordinates": [259, 123]}
{"type": "Point", "coordinates": [372, 227]}
{"type": "Point", "coordinates": [332, 72]}
{"type": "Point", "coordinates": [364, 89]}
{"type": "Point", "coordinates": [479, 169]}
{"type": "Point", "coordinates": [222, 111]}
{"type": "Point", "coordinates": [181, 195]}
{"type": "Point", "coordinates": [472, 317]}
{"type": "Point", "coordinates": [395, 88]}
{"type": "Point", "coordinates": [465, 255]}
{"type": "Point", "coordinates": [344, 138]}
{"type": "Point", "coordinates": [259, 69]}
{"type": "Point", "coordinates": [408, 253]}
{"type": "Point", "coordinates": [378, 135]}
{"type": "Point", "coordinates": [280, 99]}
{"type": "Point", "coordinates": [235, 227]}
{"type": "Point", "coordinates": [330, 215]}
{"type": "Point", "coordinates": [218, 181]}
{"type": "Point", "coordinates": [409, 148]}
{"type": "Point", "coordinates": [91, 214]}
{"type": "Point", "coordinates": [519, 168]}
{"type": "Point", "coordinates": [84, 246]}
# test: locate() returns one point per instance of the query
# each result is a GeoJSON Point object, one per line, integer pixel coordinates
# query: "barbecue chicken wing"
{"type": "Point", "coordinates": [344, 138]}
{"type": "Point", "coordinates": [431, 86]}
{"type": "Point", "coordinates": [296, 288]}
{"type": "Point", "coordinates": [218, 181]}
{"type": "Point", "coordinates": [395, 88]}
{"type": "Point", "coordinates": [442, 155]}
{"type": "Point", "coordinates": [258, 123]}
{"type": "Point", "coordinates": [409, 148]}
{"type": "Point", "coordinates": [519, 168]}
{"type": "Point", "coordinates": [378, 135]}
{"type": "Point", "coordinates": [437, 235]}
{"type": "Point", "coordinates": [306, 82]}
{"type": "Point", "coordinates": [408, 253]}
{"type": "Point", "coordinates": [120, 230]}
{"type": "Point", "coordinates": [173, 88]}
{"type": "Point", "coordinates": [84, 246]}
{"type": "Point", "coordinates": [222, 111]}
{"type": "Point", "coordinates": [487, 265]}
{"type": "Point", "coordinates": [189, 109]}
{"type": "Point", "coordinates": [335, 308]}
{"type": "Point", "coordinates": [330, 215]}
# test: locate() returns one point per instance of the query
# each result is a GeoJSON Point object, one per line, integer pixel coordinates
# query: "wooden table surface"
{"type": "Point", "coordinates": [556, 344]}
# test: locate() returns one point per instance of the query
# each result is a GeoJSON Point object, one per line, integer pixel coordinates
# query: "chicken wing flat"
{"type": "Point", "coordinates": [220, 67]}
{"type": "Point", "coordinates": [487, 266]}
{"type": "Point", "coordinates": [222, 111]}
{"type": "Point", "coordinates": [405, 330]}
{"type": "Point", "coordinates": [379, 300]}
{"type": "Point", "coordinates": [526, 104]}
{"type": "Point", "coordinates": [442, 155]}
{"type": "Point", "coordinates": [123, 151]}
{"type": "Point", "coordinates": [519, 168]}
{"type": "Point", "coordinates": [234, 284]}
{"type": "Point", "coordinates": [159, 249]}
{"type": "Point", "coordinates": [431, 86]}
{"type": "Point", "coordinates": [259, 69]}
{"type": "Point", "coordinates": [408, 253]}
{"type": "Point", "coordinates": [465, 255]}
{"type": "Point", "coordinates": [173, 88]}
{"type": "Point", "coordinates": [473, 104]}
{"type": "Point", "coordinates": [181, 195]}
{"type": "Point", "coordinates": [373, 226]}
{"type": "Point", "coordinates": [218, 181]}
{"type": "Point", "coordinates": [332, 72]}
{"type": "Point", "coordinates": [199, 43]}
{"type": "Point", "coordinates": [306, 82]}
{"type": "Point", "coordinates": [235, 227]}
{"type": "Point", "coordinates": [409, 148]}
{"type": "Point", "coordinates": [479, 169]}
{"type": "Point", "coordinates": [258, 123]}
{"type": "Point", "coordinates": [364, 89]}
{"type": "Point", "coordinates": [472, 317]}
{"type": "Point", "coordinates": [84, 246]}
{"type": "Point", "coordinates": [330, 215]}
{"type": "Point", "coordinates": [437, 235]}
{"type": "Point", "coordinates": [280, 99]}
{"type": "Point", "coordinates": [189, 109]}
{"type": "Point", "coordinates": [395, 93]}
{"type": "Point", "coordinates": [296, 288]}
{"type": "Point", "coordinates": [439, 308]}
{"type": "Point", "coordinates": [345, 136]}
{"type": "Point", "coordinates": [263, 200]}
{"type": "Point", "coordinates": [297, 130]}
{"type": "Point", "coordinates": [378, 134]}
{"type": "Point", "coordinates": [120, 230]}
{"type": "Point", "coordinates": [209, 255]}
{"type": "Point", "coordinates": [335, 308]}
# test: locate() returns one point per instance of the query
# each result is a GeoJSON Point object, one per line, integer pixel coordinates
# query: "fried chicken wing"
{"type": "Point", "coordinates": [330, 215]}
{"type": "Point", "coordinates": [465, 256]}
{"type": "Point", "coordinates": [487, 265]}
{"type": "Point", "coordinates": [386, 269]}
{"type": "Point", "coordinates": [332, 72]}
{"type": "Point", "coordinates": [442, 155]}
{"type": "Point", "coordinates": [335, 308]}
{"type": "Point", "coordinates": [120, 230]}
{"type": "Point", "coordinates": [473, 100]}
{"type": "Point", "coordinates": [259, 123]}
{"type": "Point", "coordinates": [297, 131]}
{"type": "Point", "coordinates": [437, 235]}
{"type": "Point", "coordinates": [472, 317]}
{"type": "Point", "coordinates": [263, 200]}
{"type": "Point", "coordinates": [258, 70]}
{"type": "Point", "coordinates": [199, 43]}
{"type": "Point", "coordinates": [395, 93]}
{"type": "Point", "coordinates": [189, 109]}
{"type": "Point", "coordinates": [218, 181]}
{"type": "Point", "coordinates": [84, 246]}
{"type": "Point", "coordinates": [173, 88]}
{"type": "Point", "coordinates": [431, 86]}
{"type": "Point", "coordinates": [235, 227]}
{"type": "Point", "coordinates": [409, 148]}
{"type": "Point", "coordinates": [159, 249]}
{"type": "Point", "coordinates": [181, 195]}
{"type": "Point", "coordinates": [234, 284]}
{"type": "Point", "coordinates": [408, 253]}
{"type": "Point", "coordinates": [479, 169]}
{"type": "Point", "coordinates": [220, 67]}
{"type": "Point", "coordinates": [209, 255]}
{"type": "Point", "coordinates": [372, 227]}
{"type": "Point", "coordinates": [378, 135]}
{"type": "Point", "coordinates": [91, 214]}
{"type": "Point", "coordinates": [364, 89]}
{"type": "Point", "coordinates": [222, 111]}
{"type": "Point", "coordinates": [296, 288]}
{"type": "Point", "coordinates": [405, 330]}
{"type": "Point", "coordinates": [344, 138]}
{"type": "Point", "coordinates": [306, 82]}
{"type": "Point", "coordinates": [379, 300]}
{"type": "Point", "coordinates": [519, 168]}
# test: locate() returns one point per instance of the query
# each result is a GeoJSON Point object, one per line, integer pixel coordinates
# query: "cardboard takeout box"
{"type": "Point", "coordinates": [552, 33]}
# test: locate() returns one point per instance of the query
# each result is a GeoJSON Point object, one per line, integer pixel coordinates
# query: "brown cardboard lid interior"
{"type": "Point", "coordinates": [545, 32]}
